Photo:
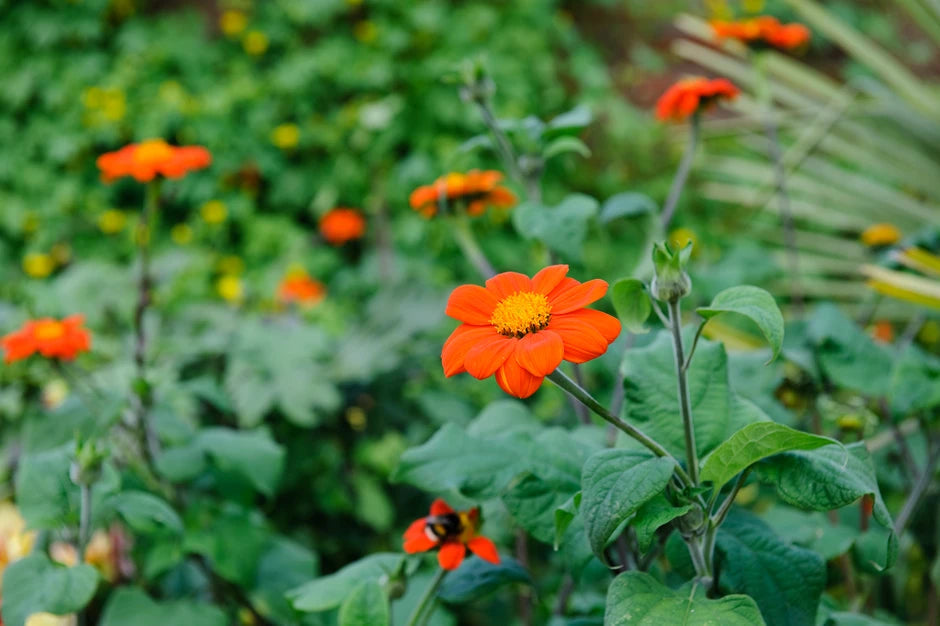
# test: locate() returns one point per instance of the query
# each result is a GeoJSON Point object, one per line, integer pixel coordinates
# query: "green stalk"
{"type": "Point", "coordinates": [463, 234]}
{"type": "Point", "coordinates": [685, 405]}
{"type": "Point", "coordinates": [682, 174]}
{"type": "Point", "coordinates": [427, 600]}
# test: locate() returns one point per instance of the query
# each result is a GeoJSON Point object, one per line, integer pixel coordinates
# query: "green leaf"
{"type": "Point", "coordinates": [627, 204]}
{"type": "Point", "coordinates": [753, 303]}
{"type": "Point", "coordinates": [785, 580]}
{"type": "Point", "coordinates": [533, 503]}
{"type": "Point", "coordinates": [366, 605]}
{"type": "Point", "coordinates": [37, 585]}
{"type": "Point", "coordinates": [847, 354]}
{"type": "Point", "coordinates": [632, 303]}
{"type": "Point", "coordinates": [564, 515]}
{"type": "Point", "coordinates": [652, 515]}
{"type": "Point", "coordinates": [564, 144]}
{"type": "Point", "coordinates": [328, 592]}
{"type": "Point", "coordinates": [130, 605]}
{"type": "Point", "coordinates": [252, 454]}
{"type": "Point", "coordinates": [476, 578]}
{"type": "Point", "coordinates": [615, 483]}
{"type": "Point", "coordinates": [562, 228]}
{"type": "Point", "coordinates": [219, 530]}
{"type": "Point", "coordinates": [751, 444]}
{"type": "Point", "coordinates": [569, 122]}
{"type": "Point", "coordinates": [145, 512]}
{"type": "Point", "coordinates": [638, 598]}
{"type": "Point", "coordinates": [43, 488]}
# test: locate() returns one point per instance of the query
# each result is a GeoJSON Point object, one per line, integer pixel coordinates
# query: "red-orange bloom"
{"type": "Point", "coordinates": [764, 30]}
{"type": "Point", "coordinates": [298, 287]}
{"type": "Point", "coordinates": [690, 95]}
{"type": "Point", "coordinates": [49, 337]}
{"type": "Point", "coordinates": [452, 532]}
{"type": "Point", "coordinates": [341, 225]}
{"type": "Point", "coordinates": [475, 191]}
{"type": "Point", "coordinates": [147, 159]}
{"type": "Point", "coordinates": [520, 329]}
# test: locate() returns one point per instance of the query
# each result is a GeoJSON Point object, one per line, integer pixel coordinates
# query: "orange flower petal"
{"type": "Point", "coordinates": [488, 355]}
{"type": "Point", "coordinates": [516, 380]}
{"type": "Point", "coordinates": [451, 555]}
{"type": "Point", "coordinates": [540, 353]}
{"type": "Point", "coordinates": [416, 539]}
{"type": "Point", "coordinates": [471, 304]}
{"type": "Point", "coordinates": [508, 283]}
{"type": "Point", "coordinates": [582, 340]}
{"type": "Point", "coordinates": [440, 507]}
{"type": "Point", "coordinates": [578, 297]}
{"type": "Point", "coordinates": [459, 343]}
{"type": "Point", "coordinates": [484, 548]}
{"type": "Point", "coordinates": [607, 325]}
{"type": "Point", "coordinates": [548, 278]}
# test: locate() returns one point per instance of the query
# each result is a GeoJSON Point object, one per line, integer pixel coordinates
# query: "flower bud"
{"type": "Point", "coordinates": [670, 282]}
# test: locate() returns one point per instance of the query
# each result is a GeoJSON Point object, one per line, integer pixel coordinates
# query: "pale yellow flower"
{"type": "Point", "coordinates": [233, 22]}
{"type": "Point", "coordinates": [181, 234]}
{"type": "Point", "coordinates": [112, 221]}
{"type": "Point", "coordinates": [230, 288]}
{"type": "Point", "coordinates": [214, 212]}
{"type": "Point", "coordinates": [286, 136]}
{"type": "Point", "coordinates": [255, 42]}
{"type": "Point", "coordinates": [38, 264]}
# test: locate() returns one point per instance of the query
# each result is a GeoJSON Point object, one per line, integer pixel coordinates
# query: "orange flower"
{"type": "Point", "coordinates": [882, 331]}
{"type": "Point", "coordinates": [476, 190]}
{"type": "Point", "coordinates": [298, 287]}
{"type": "Point", "coordinates": [764, 30]}
{"type": "Point", "coordinates": [691, 95]}
{"type": "Point", "coordinates": [51, 338]}
{"type": "Point", "coordinates": [521, 329]}
{"type": "Point", "coordinates": [341, 225]}
{"type": "Point", "coordinates": [451, 531]}
{"type": "Point", "coordinates": [145, 160]}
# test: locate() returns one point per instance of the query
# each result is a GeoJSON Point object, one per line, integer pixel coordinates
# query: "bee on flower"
{"type": "Point", "coordinates": [298, 288]}
{"type": "Point", "coordinates": [451, 533]}
{"type": "Point", "coordinates": [473, 192]}
{"type": "Point", "coordinates": [342, 225]}
{"type": "Point", "coordinates": [146, 160]}
{"type": "Point", "coordinates": [762, 32]}
{"type": "Point", "coordinates": [60, 339]}
{"type": "Point", "coordinates": [693, 95]}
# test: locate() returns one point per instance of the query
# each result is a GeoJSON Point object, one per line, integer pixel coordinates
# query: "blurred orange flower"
{"type": "Point", "coordinates": [763, 30]}
{"type": "Point", "coordinates": [477, 188]}
{"type": "Point", "coordinates": [145, 160]}
{"type": "Point", "coordinates": [691, 95]}
{"type": "Point", "coordinates": [298, 287]}
{"type": "Point", "coordinates": [341, 225]}
{"type": "Point", "coordinates": [51, 338]}
{"type": "Point", "coordinates": [878, 235]}
{"type": "Point", "coordinates": [451, 531]}
{"type": "Point", "coordinates": [520, 329]}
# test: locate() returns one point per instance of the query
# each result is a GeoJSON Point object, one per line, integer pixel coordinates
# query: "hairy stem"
{"type": "Point", "coordinates": [470, 248]}
{"type": "Point", "coordinates": [682, 173]}
{"type": "Point", "coordinates": [685, 405]}
{"type": "Point", "coordinates": [427, 600]}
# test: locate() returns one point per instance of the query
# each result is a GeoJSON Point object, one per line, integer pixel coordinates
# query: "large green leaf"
{"type": "Point", "coordinates": [562, 228]}
{"type": "Point", "coordinates": [476, 578]}
{"type": "Point", "coordinates": [652, 515]}
{"type": "Point", "coordinates": [615, 483]}
{"type": "Point", "coordinates": [638, 598]}
{"type": "Point", "coordinates": [130, 605]}
{"type": "Point", "coordinates": [753, 303]}
{"type": "Point", "coordinates": [785, 580]}
{"type": "Point", "coordinates": [632, 303]}
{"type": "Point", "coordinates": [328, 592]}
{"type": "Point", "coordinates": [44, 489]}
{"type": "Point", "coordinates": [366, 605]}
{"type": "Point", "coordinates": [144, 511]}
{"type": "Point", "coordinates": [37, 585]}
{"type": "Point", "coordinates": [847, 354]}
{"type": "Point", "coordinates": [252, 454]}
{"type": "Point", "coordinates": [751, 444]}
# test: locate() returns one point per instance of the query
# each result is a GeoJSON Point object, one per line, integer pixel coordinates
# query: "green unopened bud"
{"type": "Point", "coordinates": [670, 281]}
{"type": "Point", "coordinates": [89, 457]}
{"type": "Point", "coordinates": [476, 84]}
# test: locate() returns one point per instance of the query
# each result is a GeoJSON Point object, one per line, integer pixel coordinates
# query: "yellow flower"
{"type": "Point", "coordinates": [181, 234]}
{"type": "Point", "coordinates": [64, 553]}
{"type": "Point", "coordinates": [681, 237]}
{"type": "Point", "coordinates": [49, 619]}
{"type": "Point", "coordinates": [356, 418]}
{"type": "Point", "coordinates": [366, 31]}
{"type": "Point", "coordinates": [255, 43]}
{"type": "Point", "coordinates": [849, 422]}
{"type": "Point", "coordinates": [214, 212]}
{"type": "Point", "coordinates": [881, 235]}
{"type": "Point", "coordinates": [38, 265]}
{"type": "Point", "coordinates": [230, 288]}
{"type": "Point", "coordinates": [233, 22]}
{"type": "Point", "coordinates": [231, 264]}
{"type": "Point", "coordinates": [15, 541]}
{"type": "Point", "coordinates": [112, 221]}
{"type": "Point", "coordinates": [286, 136]}
{"type": "Point", "coordinates": [54, 393]}
{"type": "Point", "coordinates": [93, 97]}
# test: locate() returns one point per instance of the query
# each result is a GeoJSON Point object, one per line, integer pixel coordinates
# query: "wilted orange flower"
{"type": "Point", "coordinates": [341, 225]}
{"type": "Point", "coordinates": [49, 337]}
{"type": "Point", "coordinates": [145, 160]}
{"type": "Point", "coordinates": [298, 287]}
{"type": "Point", "coordinates": [690, 95]}
{"type": "Point", "coordinates": [476, 190]}
{"type": "Point", "coordinates": [451, 531]}
{"type": "Point", "coordinates": [881, 235]}
{"type": "Point", "coordinates": [763, 30]}
{"type": "Point", "coordinates": [882, 331]}
{"type": "Point", "coordinates": [521, 329]}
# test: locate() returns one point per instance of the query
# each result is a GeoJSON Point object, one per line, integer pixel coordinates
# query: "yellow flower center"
{"type": "Point", "coordinates": [49, 330]}
{"type": "Point", "coordinates": [521, 313]}
{"type": "Point", "coordinates": [153, 151]}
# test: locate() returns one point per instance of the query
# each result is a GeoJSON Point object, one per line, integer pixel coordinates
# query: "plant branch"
{"type": "Point", "coordinates": [463, 234]}
{"type": "Point", "coordinates": [920, 487]}
{"type": "Point", "coordinates": [698, 333]}
{"type": "Point", "coordinates": [427, 599]}
{"type": "Point", "coordinates": [722, 512]}
{"type": "Point", "coordinates": [685, 404]}
{"type": "Point", "coordinates": [682, 173]}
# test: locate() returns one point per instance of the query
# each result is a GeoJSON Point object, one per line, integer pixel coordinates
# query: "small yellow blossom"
{"type": "Point", "coordinates": [54, 393]}
{"type": "Point", "coordinates": [233, 22]}
{"type": "Point", "coordinates": [50, 619]}
{"type": "Point", "coordinates": [255, 43]}
{"type": "Point", "coordinates": [881, 235]}
{"type": "Point", "coordinates": [747, 495]}
{"type": "Point", "coordinates": [230, 288]}
{"type": "Point", "coordinates": [38, 265]}
{"type": "Point", "coordinates": [681, 237]}
{"type": "Point", "coordinates": [100, 554]}
{"type": "Point", "coordinates": [286, 136]}
{"type": "Point", "coordinates": [366, 31]}
{"type": "Point", "coordinates": [356, 418]}
{"type": "Point", "coordinates": [112, 221]}
{"type": "Point", "coordinates": [64, 553]}
{"type": "Point", "coordinates": [15, 541]}
{"type": "Point", "coordinates": [181, 234]}
{"type": "Point", "coordinates": [214, 212]}
{"type": "Point", "coordinates": [849, 422]}
{"type": "Point", "coordinates": [231, 264]}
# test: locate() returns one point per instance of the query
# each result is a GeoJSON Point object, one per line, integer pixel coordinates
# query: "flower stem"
{"type": "Point", "coordinates": [682, 173]}
{"type": "Point", "coordinates": [685, 405]}
{"type": "Point", "coordinates": [463, 234]}
{"type": "Point", "coordinates": [427, 600]}
{"type": "Point", "coordinates": [559, 378]}
{"type": "Point", "coordinates": [84, 520]}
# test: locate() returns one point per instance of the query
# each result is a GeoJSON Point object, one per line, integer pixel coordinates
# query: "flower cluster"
{"type": "Point", "coordinates": [520, 329]}
{"type": "Point", "coordinates": [451, 532]}
{"type": "Point", "coordinates": [146, 160]}
{"type": "Point", "coordinates": [691, 95]}
{"type": "Point", "coordinates": [51, 338]}
{"type": "Point", "coordinates": [764, 30]}
{"type": "Point", "coordinates": [475, 191]}
{"type": "Point", "coordinates": [342, 225]}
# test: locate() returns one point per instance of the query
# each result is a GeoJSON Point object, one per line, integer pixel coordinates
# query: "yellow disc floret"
{"type": "Point", "coordinates": [521, 313]}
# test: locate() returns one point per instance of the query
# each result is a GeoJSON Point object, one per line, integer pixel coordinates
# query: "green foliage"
{"type": "Point", "coordinates": [632, 304]}
{"type": "Point", "coordinates": [365, 605]}
{"type": "Point", "coordinates": [477, 578]}
{"type": "Point", "coordinates": [36, 584]}
{"type": "Point", "coordinates": [133, 605]}
{"type": "Point", "coordinates": [753, 303]}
